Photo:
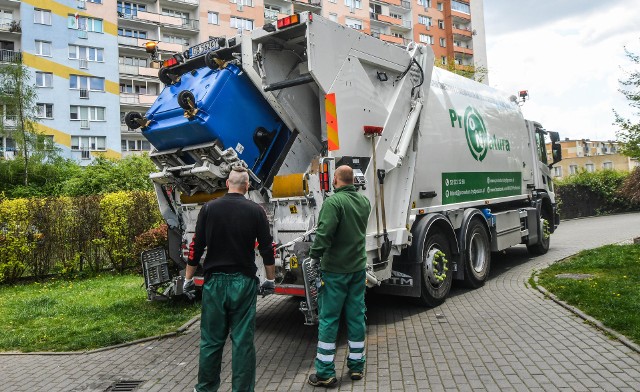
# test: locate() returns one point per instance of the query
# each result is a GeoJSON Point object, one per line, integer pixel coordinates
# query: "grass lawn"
{"type": "Point", "coordinates": [612, 295]}
{"type": "Point", "coordinates": [70, 315]}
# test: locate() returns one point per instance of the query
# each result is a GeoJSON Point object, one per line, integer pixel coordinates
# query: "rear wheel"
{"type": "Point", "coordinates": [436, 278]}
{"type": "Point", "coordinates": [209, 60]}
{"type": "Point", "coordinates": [186, 100]}
{"type": "Point", "coordinates": [164, 77]}
{"type": "Point", "coordinates": [477, 254]}
{"type": "Point", "coordinates": [130, 119]}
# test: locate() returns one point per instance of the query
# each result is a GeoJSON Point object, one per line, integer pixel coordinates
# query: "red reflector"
{"type": "Point", "coordinates": [288, 290]}
{"type": "Point", "coordinates": [170, 62]}
{"type": "Point", "coordinates": [371, 130]}
{"type": "Point", "coordinates": [198, 280]}
{"type": "Point", "coordinates": [288, 21]}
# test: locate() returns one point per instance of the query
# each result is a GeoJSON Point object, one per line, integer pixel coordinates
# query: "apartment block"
{"type": "Point", "coordinates": [590, 155]}
{"type": "Point", "coordinates": [90, 66]}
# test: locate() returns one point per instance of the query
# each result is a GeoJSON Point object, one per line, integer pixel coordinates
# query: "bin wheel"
{"type": "Point", "coordinates": [130, 119]}
{"type": "Point", "coordinates": [184, 98]}
{"type": "Point", "coordinates": [209, 60]}
{"type": "Point", "coordinates": [164, 77]}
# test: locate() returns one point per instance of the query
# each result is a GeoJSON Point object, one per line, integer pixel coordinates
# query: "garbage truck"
{"type": "Point", "coordinates": [452, 169]}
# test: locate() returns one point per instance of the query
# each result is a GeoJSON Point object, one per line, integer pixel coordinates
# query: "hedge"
{"type": "Point", "coordinates": [61, 235]}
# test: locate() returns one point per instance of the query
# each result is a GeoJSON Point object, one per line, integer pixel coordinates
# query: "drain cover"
{"type": "Point", "coordinates": [124, 386]}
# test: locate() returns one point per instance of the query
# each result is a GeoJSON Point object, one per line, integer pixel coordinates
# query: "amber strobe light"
{"type": "Point", "coordinates": [288, 21]}
{"type": "Point", "coordinates": [151, 47]}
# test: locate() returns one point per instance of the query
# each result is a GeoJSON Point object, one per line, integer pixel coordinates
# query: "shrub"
{"type": "Point", "coordinates": [17, 238]}
{"type": "Point", "coordinates": [630, 189]}
{"type": "Point", "coordinates": [152, 238]}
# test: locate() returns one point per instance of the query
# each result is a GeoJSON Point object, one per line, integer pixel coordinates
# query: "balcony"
{"type": "Point", "coordinates": [84, 93]}
{"type": "Point", "coordinates": [165, 20]}
{"type": "Point", "coordinates": [11, 26]}
{"type": "Point", "coordinates": [9, 122]}
{"type": "Point", "coordinates": [125, 129]}
{"type": "Point", "coordinates": [272, 16]}
{"type": "Point", "coordinates": [461, 15]}
{"type": "Point", "coordinates": [137, 99]}
{"type": "Point", "coordinates": [463, 50]}
{"type": "Point", "coordinates": [392, 39]}
{"type": "Point", "coordinates": [7, 154]}
{"type": "Point", "coordinates": [138, 71]}
{"type": "Point", "coordinates": [306, 5]}
{"type": "Point", "coordinates": [10, 56]}
{"type": "Point", "coordinates": [193, 3]}
{"type": "Point", "coordinates": [390, 20]}
{"type": "Point", "coordinates": [462, 31]}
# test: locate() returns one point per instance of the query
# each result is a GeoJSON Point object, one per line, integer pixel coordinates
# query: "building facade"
{"type": "Point", "coordinates": [590, 155]}
{"type": "Point", "coordinates": [89, 63]}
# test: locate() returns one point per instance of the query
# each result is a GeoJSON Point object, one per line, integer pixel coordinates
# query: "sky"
{"type": "Point", "coordinates": [569, 55]}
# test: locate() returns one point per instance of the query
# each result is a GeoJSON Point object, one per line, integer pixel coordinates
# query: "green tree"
{"type": "Point", "coordinates": [629, 133]}
{"type": "Point", "coordinates": [479, 74]}
{"type": "Point", "coordinates": [18, 97]}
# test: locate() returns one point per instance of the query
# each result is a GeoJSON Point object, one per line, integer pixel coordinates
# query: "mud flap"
{"type": "Point", "coordinates": [404, 281]}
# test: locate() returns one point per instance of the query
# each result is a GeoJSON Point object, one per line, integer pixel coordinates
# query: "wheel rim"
{"type": "Point", "coordinates": [431, 270]}
{"type": "Point", "coordinates": [478, 252]}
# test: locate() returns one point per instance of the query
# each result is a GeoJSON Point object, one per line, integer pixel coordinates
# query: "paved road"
{"type": "Point", "coordinates": [503, 336]}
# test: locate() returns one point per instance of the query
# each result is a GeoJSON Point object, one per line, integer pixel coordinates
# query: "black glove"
{"type": "Point", "coordinates": [268, 287]}
{"type": "Point", "coordinates": [189, 288]}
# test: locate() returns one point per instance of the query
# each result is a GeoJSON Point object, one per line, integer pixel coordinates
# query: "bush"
{"type": "Point", "coordinates": [17, 238]}
{"type": "Point", "coordinates": [153, 238]}
{"type": "Point", "coordinates": [630, 189]}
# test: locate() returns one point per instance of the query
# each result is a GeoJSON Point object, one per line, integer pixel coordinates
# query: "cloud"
{"type": "Point", "coordinates": [570, 63]}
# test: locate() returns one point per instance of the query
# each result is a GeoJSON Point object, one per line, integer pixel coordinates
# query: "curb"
{"type": "Point", "coordinates": [618, 336]}
{"type": "Point", "coordinates": [184, 327]}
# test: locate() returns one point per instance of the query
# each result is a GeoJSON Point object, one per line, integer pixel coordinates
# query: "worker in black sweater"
{"type": "Point", "coordinates": [228, 227]}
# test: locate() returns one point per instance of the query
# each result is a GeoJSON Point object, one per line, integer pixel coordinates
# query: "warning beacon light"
{"type": "Point", "coordinates": [523, 94]}
{"type": "Point", "coordinates": [151, 47]}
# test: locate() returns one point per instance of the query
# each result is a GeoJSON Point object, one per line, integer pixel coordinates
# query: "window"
{"type": "Point", "coordinates": [43, 48]}
{"type": "Point", "coordinates": [42, 16]}
{"type": "Point", "coordinates": [607, 165]}
{"type": "Point", "coordinates": [573, 169]}
{"type": "Point", "coordinates": [443, 60]}
{"type": "Point", "coordinates": [133, 89]}
{"type": "Point", "coordinates": [135, 145]}
{"type": "Point", "coordinates": [354, 4]}
{"type": "Point", "coordinates": [136, 61]}
{"type": "Point", "coordinates": [248, 3]}
{"type": "Point", "coordinates": [333, 17]}
{"type": "Point", "coordinates": [44, 79]}
{"type": "Point", "coordinates": [426, 39]}
{"type": "Point", "coordinates": [375, 8]}
{"type": "Point", "coordinates": [95, 1]}
{"type": "Point", "coordinates": [90, 113]}
{"type": "Point", "coordinates": [440, 6]}
{"type": "Point", "coordinates": [84, 23]}
{"type": "Point", "coordinates": [86, 53]}
{"type": "Point", "coordinates": [175, 39]}
{"type": "Point", "coordinates": [440, 24]}
{"type": "Point", "coordinates": [443, 42]}
{"type": "Point", "coordinates": [132, 33]}
{"type": "Point", "coordinates": [557, 171]}
{"type": "Point", "coordinates": [44, 110]}
{"type": "Point", "coordinates": [44, 142]}
{"type": "Point", "coordinates": [91, 143]}
{"type": "Point", "coordinates": [213, 18]}
{"type": "Point", "coordinates": [353, 23]}
{"type": "Point", "coordinates": [6, 17]}
{"type": "Point", "coordinates": [590, 167]}
{"type": "Point", "coordinates": [127, 9]}
{"type": "Point", "coordinates": [240, 23]}
{"type": "Point", "coordinates": [460, 7]}
{"type": "Point", "coordinates": [424, 20]}
{"type": "Point", "coordinates": [425, 3]}
{"type": "Point", "coordinates": [175, 13]}
{"type": "Point", "coordinates": [93, 83]}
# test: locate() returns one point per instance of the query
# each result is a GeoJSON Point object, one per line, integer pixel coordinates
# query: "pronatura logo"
{"type": "Point", "coordinates": [478, 138]}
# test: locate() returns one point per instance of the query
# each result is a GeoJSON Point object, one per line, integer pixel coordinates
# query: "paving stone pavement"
{"type": "Point", "coordinates": [504, 336]}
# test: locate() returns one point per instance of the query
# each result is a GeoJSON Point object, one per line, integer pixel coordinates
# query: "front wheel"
{"type": "Point", "coordinates": [435, 261]}
{"type": "Point", "coordinates": [544, 240]}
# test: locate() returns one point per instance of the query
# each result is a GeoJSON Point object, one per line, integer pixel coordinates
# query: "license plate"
{"type": "Point", "coordinates": [200, 49]}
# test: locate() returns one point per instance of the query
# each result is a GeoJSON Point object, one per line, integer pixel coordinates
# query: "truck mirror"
{"type": "Point", "coordinates": [556, 148]}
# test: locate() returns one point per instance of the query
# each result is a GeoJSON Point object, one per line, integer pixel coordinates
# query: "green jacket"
{"type": "Point", "coordinates": [340, 236]}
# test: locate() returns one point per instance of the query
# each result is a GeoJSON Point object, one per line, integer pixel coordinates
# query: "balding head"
{"type": "Point", "coordinates": [342, 176]}
{"type": "Point", "coordinates": [238, 181]}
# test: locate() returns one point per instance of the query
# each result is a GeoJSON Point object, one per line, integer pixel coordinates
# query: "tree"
{"type": "Point", "coordinates": [479, 74]}
{"type": "Point", "coordinates": [18, 97]}
{"type": "Point", "coordinates": [629, 133]}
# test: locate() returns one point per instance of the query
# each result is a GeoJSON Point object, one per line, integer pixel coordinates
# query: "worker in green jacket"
{"type": "Point", "coordinates": [340, 246]}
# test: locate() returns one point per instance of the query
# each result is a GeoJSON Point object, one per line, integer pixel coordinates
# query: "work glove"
{"type": "Point", "coordinates": [189, 288]}
{"type": "Point", "coordinates": [268, 287]}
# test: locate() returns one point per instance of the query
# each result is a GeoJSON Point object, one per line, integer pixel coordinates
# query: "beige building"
{"type": "Point", "coordinates": [590, 155]}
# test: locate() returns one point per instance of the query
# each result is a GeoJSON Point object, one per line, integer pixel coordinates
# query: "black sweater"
{"type": "Point", "coordinates": [228, 227]}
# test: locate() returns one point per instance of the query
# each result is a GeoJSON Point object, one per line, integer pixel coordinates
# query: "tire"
{"type": "Point", "coordinates": [476, 259]}
{"type": "Point", "coordinates": [432, 291]}
{"type": "Point", "coordinates": [163, 75]}
{"type": "Point", "coordinates": [209, 60]}
{"type": "Point", "coordinates": [542, 246]}
{"type": "Point", "coordinates": [184, 97]}
{"type": "Point", "coordinates": [130, 119]}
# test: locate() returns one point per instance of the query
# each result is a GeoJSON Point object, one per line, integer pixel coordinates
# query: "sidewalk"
{"type": "Point", "coordinates": [503, 336]}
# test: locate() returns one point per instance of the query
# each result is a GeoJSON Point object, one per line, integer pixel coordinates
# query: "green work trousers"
{"type": "Point", "coordinates": [228, 307]}
{"type": "Point", "coordinates": [338, 293]}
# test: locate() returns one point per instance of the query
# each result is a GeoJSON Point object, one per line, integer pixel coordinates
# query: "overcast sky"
{"type": "Point", "coordinates": [569, 55]}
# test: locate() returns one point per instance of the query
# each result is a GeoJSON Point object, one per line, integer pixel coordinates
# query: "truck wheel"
{"type": "Point", "coordinates": [544, 241]}
{"type": "Point", "coordinates": [436, 277]}
{"type": "Point", "coordinates": [184, 98]}
{"type": "Point", "coordinates": [477, 254]}
{"type": "Point", "coordinates": [209, 60]}
{"type": "Point", "coordinates": [130, 119]}
{"type": "Point", "coordinates": [164, 77]}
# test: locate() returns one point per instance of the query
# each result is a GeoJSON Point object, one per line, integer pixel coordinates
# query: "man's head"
{"type": "Point", "coordinates": [238, 181]}
{"type": "Point", "coordinates": [342, 176]}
